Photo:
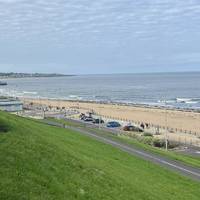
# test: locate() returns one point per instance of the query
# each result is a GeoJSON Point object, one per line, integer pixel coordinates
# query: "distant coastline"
{"type": "Point", "coordinates": [31, 75]}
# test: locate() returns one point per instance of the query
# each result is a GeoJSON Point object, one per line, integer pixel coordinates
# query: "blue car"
{"type": "Point", "coordinates": [113, 124]}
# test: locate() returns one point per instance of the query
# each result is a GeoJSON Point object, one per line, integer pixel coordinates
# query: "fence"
{"type": "Point", "coordinates": [180, 136]}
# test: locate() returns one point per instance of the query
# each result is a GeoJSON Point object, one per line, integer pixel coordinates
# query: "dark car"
{"type": "Point", "coordinates": [113, 124]}
{"type": "Point", "coordinates": [133, 128]}
{"type": "Point", "coordinates": [98, 121]}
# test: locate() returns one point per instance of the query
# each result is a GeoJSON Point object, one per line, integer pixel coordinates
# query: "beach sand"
{"type": "Point", "coordinates": [179, 121]}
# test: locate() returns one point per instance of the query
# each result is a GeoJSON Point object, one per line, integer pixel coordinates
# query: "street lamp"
{"type": "Point", "coordinates": [166, 140]}
{"type": "Point", "coordinates": [99, 115]}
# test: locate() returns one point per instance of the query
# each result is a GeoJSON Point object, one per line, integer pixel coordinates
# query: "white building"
{"type": "Point", "coordinates": [10, 104]}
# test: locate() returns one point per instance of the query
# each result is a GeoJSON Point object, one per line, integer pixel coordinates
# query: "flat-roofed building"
{"type": "Point", "coordinates": [10, 104]}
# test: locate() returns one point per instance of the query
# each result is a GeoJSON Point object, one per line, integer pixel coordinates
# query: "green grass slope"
{"type": "Point", "coordinates": [42, 162]}
{"type": "Point", "coordinates": [184, 158]}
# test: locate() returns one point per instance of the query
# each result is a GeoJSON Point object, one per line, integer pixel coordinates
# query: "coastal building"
{"type": "Point", "coordinates": [10, 104]}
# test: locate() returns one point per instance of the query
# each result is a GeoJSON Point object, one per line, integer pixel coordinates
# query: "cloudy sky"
{"type": "Point", "coordinates": [99, 36]}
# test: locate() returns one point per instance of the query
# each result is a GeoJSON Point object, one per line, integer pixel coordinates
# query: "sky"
{"type": "Point", "coordinates": [99, 36]}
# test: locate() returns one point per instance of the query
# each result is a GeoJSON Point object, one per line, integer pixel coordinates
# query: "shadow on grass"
{"type": "Point", "coordinates": [4, 126]}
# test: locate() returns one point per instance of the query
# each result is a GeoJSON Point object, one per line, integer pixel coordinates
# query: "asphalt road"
{"type": "Point", "coordinates": [176, 166]}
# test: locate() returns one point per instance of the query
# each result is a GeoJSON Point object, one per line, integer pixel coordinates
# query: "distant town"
{"type": "Point", "coordinates": [28, 75]}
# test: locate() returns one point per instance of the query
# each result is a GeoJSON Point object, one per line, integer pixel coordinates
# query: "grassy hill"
{"type": "Point", "coordinates": [42, 162]}
{"type": "Point", "coordinates": [173, 155]}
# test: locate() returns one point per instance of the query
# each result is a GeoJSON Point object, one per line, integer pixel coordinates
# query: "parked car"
{"type": "Point", "coordinates": [88, 119]}
{"type": "Point", "coordinates": [82, 116]}
{"type": "Point", "coordinates": [113, 124]}
{"type": "Point", "coordinates": [90, 114]}
{"type": "Point", "coordinates": [138, 129]}
{"type": "Point", "coordinates": [98, 121]}
{"type": "Point", "coordinates": [133, 128]}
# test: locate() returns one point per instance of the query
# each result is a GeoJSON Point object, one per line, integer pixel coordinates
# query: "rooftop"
{"type": "Point", "coordinates": [9, 101]}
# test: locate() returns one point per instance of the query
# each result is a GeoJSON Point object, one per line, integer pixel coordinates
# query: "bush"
{"type": "Point", "coordinates": [4, 127]}
{"type": "Point", "coordinates": [147, 134]}
{"type": "Point", "coordinates": [172, 145]}
{"type": "Point", "coordinates": [148, 140]}
{"type": "Point", "coordinates": [159, 143]}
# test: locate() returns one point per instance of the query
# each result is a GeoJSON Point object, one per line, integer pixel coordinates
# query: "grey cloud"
{"type": "Point", "coordinates": [61, 24]}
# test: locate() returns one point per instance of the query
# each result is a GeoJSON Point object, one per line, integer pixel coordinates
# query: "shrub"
{"type": "Point", "coordinates": [146, 134]}
{"type": "Point", "coordinates": [159, 143]}
{"type": "Point", "coordinates": [148, 140]}
{"type": "Point", "coordinates": [172, 145]}
{"type": "Point", "coordinates": [4, 127]}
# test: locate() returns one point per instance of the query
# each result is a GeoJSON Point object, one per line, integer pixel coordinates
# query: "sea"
{"type": "Point", "coordinates": [176, 90]}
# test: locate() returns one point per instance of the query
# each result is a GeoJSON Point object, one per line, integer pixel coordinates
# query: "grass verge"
{"type": "Point", "coordinates": [184, 158]}
{"type": "Point", "coordinates": [43, 162]}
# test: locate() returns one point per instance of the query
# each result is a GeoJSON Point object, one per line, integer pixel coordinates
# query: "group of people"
{"type": "Point", "coordinates": [144, 125]}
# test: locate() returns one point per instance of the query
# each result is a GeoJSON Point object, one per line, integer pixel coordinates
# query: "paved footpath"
{"type": "Point", "coordinates": [173, 165]}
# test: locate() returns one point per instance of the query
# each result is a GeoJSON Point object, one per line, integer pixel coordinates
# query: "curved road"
{"type": "Point", "coordinates": [176, 166]}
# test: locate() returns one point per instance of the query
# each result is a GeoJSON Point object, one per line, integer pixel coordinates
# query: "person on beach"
{"type": "Point", "coordinates": [142, 125]}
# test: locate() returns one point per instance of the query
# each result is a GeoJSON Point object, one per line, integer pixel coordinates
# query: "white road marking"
{"type": "Point", "coordinates": [145, 154]}
{"type": "Point", "coordinates": [123, 147]}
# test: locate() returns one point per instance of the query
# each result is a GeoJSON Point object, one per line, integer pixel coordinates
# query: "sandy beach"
{"type": "Point", "coordinates": [179, 121]}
